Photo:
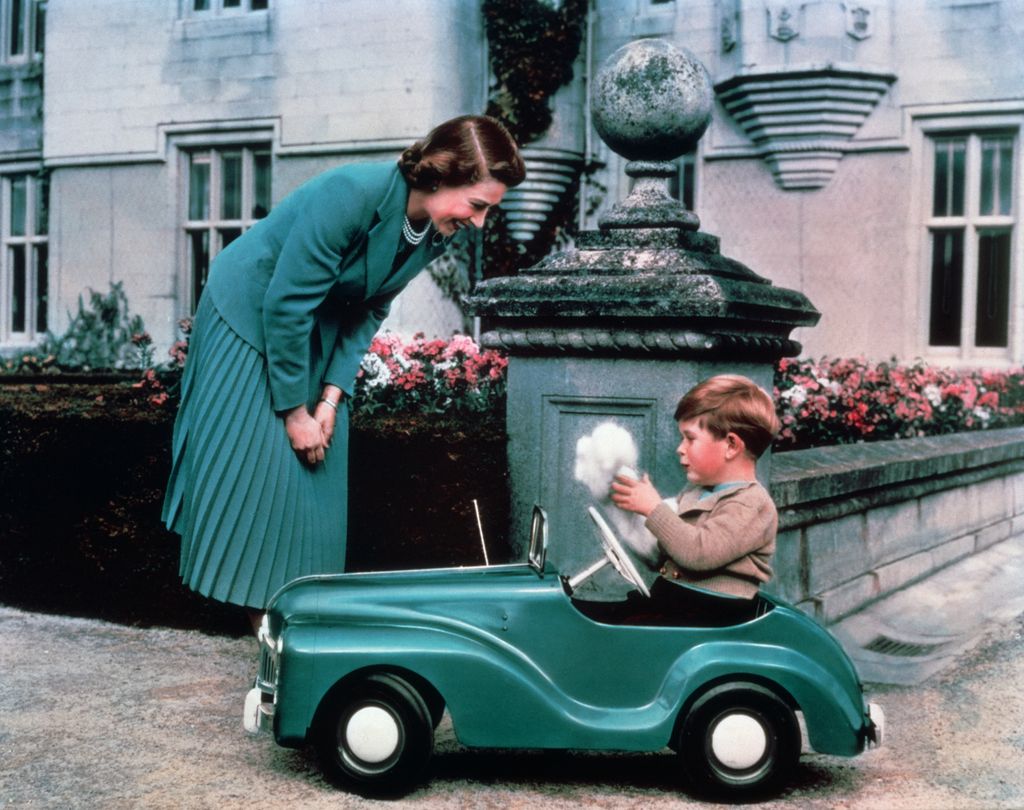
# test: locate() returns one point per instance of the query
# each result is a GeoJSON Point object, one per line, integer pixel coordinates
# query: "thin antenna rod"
{"type": "Point", "coordinates": [480, 527]}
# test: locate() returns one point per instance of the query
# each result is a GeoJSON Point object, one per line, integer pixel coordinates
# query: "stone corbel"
{"type": "Point", "coordinates": [802, 118]}
{"type": "Point", "coordinates": [550, 175]}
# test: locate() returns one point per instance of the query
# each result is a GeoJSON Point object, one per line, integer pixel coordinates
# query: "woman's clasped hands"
{"type": "Point", "coordinates": [310, 434]}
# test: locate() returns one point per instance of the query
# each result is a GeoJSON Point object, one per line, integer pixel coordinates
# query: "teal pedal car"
{"type": "Point", "coordinates": [364, 666]}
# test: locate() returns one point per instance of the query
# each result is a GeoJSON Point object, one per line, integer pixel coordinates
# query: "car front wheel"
{"type": "Point", "coordinates": [739, 739]}
{"type": "Point", "coordinates": [377, 736]}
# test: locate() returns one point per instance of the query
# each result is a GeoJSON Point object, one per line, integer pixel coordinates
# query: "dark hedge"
{"type": "Point", "coordinates": [82, 474]}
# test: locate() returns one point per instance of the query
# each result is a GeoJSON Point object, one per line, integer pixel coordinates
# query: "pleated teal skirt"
{"type": "Point", "coordinates": [251, 516]}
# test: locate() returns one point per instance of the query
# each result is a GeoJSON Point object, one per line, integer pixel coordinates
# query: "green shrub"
{"type": "Point", "coordinates": [102, 336]}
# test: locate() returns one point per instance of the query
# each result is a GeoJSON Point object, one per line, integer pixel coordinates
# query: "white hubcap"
{"type": "Point", "coordinates": [739, 741]}
{"type": "Point", "coordinates": [372, 734]}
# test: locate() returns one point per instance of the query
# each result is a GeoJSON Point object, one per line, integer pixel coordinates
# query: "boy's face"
{"type": "Point", "coordinates": [703, 455]}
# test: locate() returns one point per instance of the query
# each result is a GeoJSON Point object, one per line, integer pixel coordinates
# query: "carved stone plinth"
{"type": "Point", "coordinates": [621, 325]}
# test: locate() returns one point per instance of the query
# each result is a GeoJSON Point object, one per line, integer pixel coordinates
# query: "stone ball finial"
{"type": "Point", "coordinates": [652, 100]}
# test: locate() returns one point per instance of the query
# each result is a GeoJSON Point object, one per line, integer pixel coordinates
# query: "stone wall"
{"type": "Point", "coordinates": [120, 74]}
{"type": "Point", "coordinates": [860, 521]}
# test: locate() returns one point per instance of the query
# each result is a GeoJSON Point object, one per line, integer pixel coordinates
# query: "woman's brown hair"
{"type": "Point", "coordinates": [461, 152]}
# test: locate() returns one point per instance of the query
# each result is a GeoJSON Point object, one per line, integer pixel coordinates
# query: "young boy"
{"type": "Point", "coordinates": [721, 536]}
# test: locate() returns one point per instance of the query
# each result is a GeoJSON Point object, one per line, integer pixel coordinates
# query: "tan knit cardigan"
{"type": "Point", "coordinates": [723, 543]}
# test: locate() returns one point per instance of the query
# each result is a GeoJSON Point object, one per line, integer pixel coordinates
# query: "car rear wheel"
{"type": "Point", "coordinates": [739, 739]}
{"type": "Point", "coordinates": [377, 736]}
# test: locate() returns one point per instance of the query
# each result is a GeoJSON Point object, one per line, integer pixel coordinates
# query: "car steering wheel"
{"type": "Point", "coordinates": [616, 554]}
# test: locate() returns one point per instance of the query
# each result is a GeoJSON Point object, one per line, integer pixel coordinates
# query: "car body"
{"type": "Point", "coordinates": [364, 665]}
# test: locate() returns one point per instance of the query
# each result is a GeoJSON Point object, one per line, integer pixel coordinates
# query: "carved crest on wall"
{"type": "Point", "coordinates": [784, 21]}
{"type": "Point", "coordinates": [730, 24]}
{"type": "Point", "coordinates": [859, 20]}
{"type": "Point", "coordinates": [728, 32]}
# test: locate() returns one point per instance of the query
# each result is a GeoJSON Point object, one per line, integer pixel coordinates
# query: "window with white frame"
{"type": "Point", "coordinates": [971, 232]}
{"type": "Point", "coordinates": [24, 271]}
{"type": "Point", "coordinates": [201, 7]}
{"type": "Point", "coordinates": [228, 190]}
{"type": "Point", "coordinates": [22, 26]}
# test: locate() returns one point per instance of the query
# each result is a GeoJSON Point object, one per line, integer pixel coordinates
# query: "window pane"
{"type": "Point", "coordinates": [259, 5]}
{"type": "Point", "coordinates": [201, 5]}
{"type": "Point", "coordinates": [996, 170]}
{"type": "Point", "coordinates": [232, 3]}
{"type": "Point", "coordinates": [40, 32]}
{"type": "Point", "coordinates": [200, 244]}
{"type": "Point", "coordinates": [261, 181]}
{"type": "Point", "coordinates": [17, 32]}
{"type": "Point", "coordinates": [42, 223]}
{"type": "Point", "coordinates": [947, 287]}
{"type": "Point", "coordinates": [228, 235]}
{"type": "Point", "coordinates": [16, 257]}
{"type": "Point", "coordinates": [19, 188]}
{"type": "Point", "coordinates": [689, 181]}
{"type": "Point", "coordinates": [948, 199]}
{"type": "Point", "coordinates": [199, 189]}
{"type": "Point", "coordinates": [231, 186]}
{"type": "Point", "coordinates": [1005, 206]}
{"type": "Point", "coordinates": [992, 315]}
{"type": "Point", "coordinates": [42, 287]}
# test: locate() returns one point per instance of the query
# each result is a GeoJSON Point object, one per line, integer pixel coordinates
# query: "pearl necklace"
{"type": "Point", "coordinates": [411, 236]}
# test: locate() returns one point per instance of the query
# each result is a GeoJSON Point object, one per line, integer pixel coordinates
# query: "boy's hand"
{"type": "Point", "coordinates": [635, 496]}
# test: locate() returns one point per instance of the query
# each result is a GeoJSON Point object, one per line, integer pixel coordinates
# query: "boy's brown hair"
{"type": "Point", "coordinates": [731, 403]}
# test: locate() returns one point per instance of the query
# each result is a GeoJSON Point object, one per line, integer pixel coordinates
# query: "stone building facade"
{"type": "Point", "coordinates": [866, 154]}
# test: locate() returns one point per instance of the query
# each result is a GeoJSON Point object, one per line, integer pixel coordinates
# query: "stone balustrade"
{"type": "Point", "coordinates": [857, 522]}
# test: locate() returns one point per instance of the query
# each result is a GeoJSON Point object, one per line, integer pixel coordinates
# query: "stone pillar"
{"type": "Point", "coordinates": [619, 327]}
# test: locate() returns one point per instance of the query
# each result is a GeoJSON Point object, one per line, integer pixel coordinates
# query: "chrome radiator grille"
{"type": "Point", "coordinates": [266, 680]}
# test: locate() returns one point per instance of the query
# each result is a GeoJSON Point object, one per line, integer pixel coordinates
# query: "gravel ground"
{"type": "Point", "coordinates": [101, 715]}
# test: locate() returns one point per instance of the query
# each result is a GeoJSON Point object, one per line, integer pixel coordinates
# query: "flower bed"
{"type": "Point", "coordinates": [429, 376]}
{"type": "Point", "coordinates": [842, 401]}
{"type": "Point", "coordinates": [819, 402]}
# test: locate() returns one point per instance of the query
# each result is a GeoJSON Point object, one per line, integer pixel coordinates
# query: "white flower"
{"type": "Point", "coordinates": [982, 413]}
{"type": "Point", "coordinates": [795, 396]}
{"type": "Point", "coordinates": [831, 386]}
{"type": "Point", "coordinates": [933, 394]}
{"type": "Point", "coordinates": [375, 371]}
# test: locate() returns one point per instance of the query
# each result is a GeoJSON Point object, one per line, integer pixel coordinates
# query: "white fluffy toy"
{"type": "Point", "coordinates": [599, 457]}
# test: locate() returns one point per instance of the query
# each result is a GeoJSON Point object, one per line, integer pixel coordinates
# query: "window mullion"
{"type": "Point", "coordinates": [246, 194]}
{"type": "Point", "coordinates": [30, 267]}
{"type": "Point", "coordinates": [972, 207]}
{"type": "Point", "coordinates": [6, 276]}
{"type": "Point", "coordinates": [1016, 308]}
{"type": "Point", "coordinates": [215, 203]}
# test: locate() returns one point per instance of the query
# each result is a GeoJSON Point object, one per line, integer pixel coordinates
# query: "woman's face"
{"type": "Point", "coordinates": [452, 208]}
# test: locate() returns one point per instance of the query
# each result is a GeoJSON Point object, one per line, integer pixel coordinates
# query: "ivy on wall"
{"type": "Point", "coordinates": [533, 45]}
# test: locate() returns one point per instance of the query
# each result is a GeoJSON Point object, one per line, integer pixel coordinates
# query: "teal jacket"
{"type": "Point", "coordinates": [320, 262]}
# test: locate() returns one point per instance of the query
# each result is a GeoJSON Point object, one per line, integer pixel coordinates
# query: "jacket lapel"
{"type": "Point", "coordinates": [416, 261]}
{"type": "Point", "coordinates": [382, 241]}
